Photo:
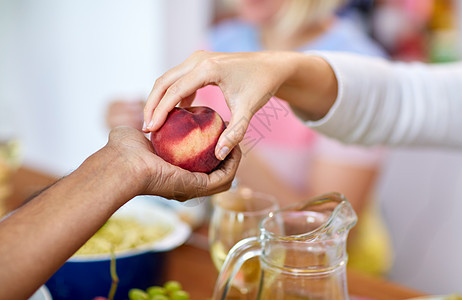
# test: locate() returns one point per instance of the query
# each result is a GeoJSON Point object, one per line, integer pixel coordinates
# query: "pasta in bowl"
{"type": "Point", "coordinates": [139, 234]}
{"type": "Point", "coordinates": [121, 233]}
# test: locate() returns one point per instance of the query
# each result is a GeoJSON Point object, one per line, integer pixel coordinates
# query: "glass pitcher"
{"type": "Point", "coordinates": [301, 250]}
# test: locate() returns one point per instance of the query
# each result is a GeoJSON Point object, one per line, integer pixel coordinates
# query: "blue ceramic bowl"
{"type": "Point", "coordinates": [88, 276]}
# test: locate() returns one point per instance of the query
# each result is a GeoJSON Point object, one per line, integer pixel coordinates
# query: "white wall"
{"type": "Point", "coordinates": [64, 60]}
{"type": "Point", "coordinates": [420, 194]}
{"type": "Point", "coordinates": [187, 26]}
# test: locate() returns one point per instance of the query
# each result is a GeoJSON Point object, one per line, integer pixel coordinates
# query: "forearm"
{"type": "Point", "coordinates": [39, 237]}
{"type": "Point", "coordinates": [397, 104]}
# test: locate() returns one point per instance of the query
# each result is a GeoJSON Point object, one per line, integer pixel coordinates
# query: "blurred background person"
{"type": "Point", "coordinates": [409, 30]}
{"type": "Point", "coordinates": [281, 156]}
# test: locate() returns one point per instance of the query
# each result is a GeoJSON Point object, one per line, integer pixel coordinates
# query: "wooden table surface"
{"type": "Point", "coordinates": [191, 264]}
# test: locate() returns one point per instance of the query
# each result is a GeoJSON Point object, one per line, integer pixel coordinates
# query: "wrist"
{"type": "Point", "coordinates": [118, 177]}
{"type": "Point", "coordinates": [311, 85]}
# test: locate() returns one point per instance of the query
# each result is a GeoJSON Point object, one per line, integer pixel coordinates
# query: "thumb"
{"type": "Point", "coordinates": [233, 134]}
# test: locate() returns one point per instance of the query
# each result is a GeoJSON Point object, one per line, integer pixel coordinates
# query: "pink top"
{"type": "Point", "coordinates": [274, 124]}
{"type": "Point", "coordinates": [279, 138]}
{"type": "Point", "coordinates": [286, 144]}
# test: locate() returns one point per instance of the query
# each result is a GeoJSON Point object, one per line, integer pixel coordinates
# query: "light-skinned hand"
{"type": "Point", "coordinates": [248, 80]}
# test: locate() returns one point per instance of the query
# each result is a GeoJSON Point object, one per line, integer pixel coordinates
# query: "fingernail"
{"type": "Point", "coordinates": [223, 153]}
{"type": "Point", "coordinates": [144, 125]}
{"type": "Point", "coordinates": [151, 124]}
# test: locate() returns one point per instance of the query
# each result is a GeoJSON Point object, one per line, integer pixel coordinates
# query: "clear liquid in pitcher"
{"type": "Point", "coordinates": [301, 250]}
{"type": "Point", "coordinates": [303, 269]}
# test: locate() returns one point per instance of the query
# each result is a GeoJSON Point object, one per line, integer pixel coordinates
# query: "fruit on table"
{"type": "Point", "coordinates": [172, 290]}
{"type": "Point", "coordinates": [188, 138]}
{"type": "Point", "coordinates": [160, 297]}
{"type": "Point", "coordinates": [138, 294]}
{"type": "Point", "coordinates": [172, 286]}
{"type": "Point", "coordinates": [179, 295]}
{"type": "Point", "coordinates": [156, 290]}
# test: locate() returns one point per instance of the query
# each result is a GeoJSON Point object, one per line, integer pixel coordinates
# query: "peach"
{"type": "Point", "coordinates": [188, 138]}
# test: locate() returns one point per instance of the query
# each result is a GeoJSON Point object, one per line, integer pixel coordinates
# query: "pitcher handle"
{"type": "Point", "coordinates": [239, 253]}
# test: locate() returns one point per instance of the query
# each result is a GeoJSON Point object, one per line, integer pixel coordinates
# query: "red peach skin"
{"type": "Point", "coordinates": [188, 138]}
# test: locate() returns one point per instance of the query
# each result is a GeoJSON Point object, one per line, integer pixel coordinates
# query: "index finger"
{"type": "Point", "coordinates": [164, 83]}
{"type": "Point", "coordinates": [158, 90]}
{"type": "Point", "coordinates": [181, 89]}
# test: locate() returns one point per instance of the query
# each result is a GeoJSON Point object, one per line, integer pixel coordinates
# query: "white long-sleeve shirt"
{"type": "Point", "coordinates": [400, 104]}
{"type": "Point", "coordinates": [409, 104]}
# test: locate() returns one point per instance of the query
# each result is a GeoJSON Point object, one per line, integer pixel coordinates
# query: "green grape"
{"type": "Point", "coordinates": [172, 286]}
{"type": "Point", "coordinates": [179, 295]}
{"type": "Point", "coordinates": [156, 290]}
{"type": "Point", "coordinates": [160, 297]}
{"type": "Point", "coordinates": [137, 294]}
